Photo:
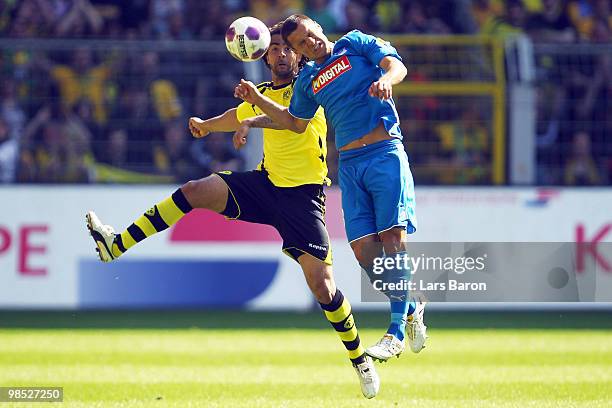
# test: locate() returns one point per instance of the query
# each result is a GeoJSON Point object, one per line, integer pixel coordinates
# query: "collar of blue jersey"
{"type": "Point", "coordinates": [329, 59]}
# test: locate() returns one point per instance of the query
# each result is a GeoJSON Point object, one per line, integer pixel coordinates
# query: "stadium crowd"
{"type": "Point", "coordinates": [90, 115]}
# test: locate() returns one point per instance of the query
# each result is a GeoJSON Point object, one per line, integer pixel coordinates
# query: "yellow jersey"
{"type": "Point", "coordinates": [291, 159]}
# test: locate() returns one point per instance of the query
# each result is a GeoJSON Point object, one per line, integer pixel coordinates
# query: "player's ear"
{"type": "Point", "coordinates": [298, 59]}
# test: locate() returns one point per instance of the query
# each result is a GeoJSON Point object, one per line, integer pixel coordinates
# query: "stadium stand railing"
{"type": "Point", "coordinates": [573, 86]}
{"type": "Point", "coordinates": [453, 108]}
{"type": "Point", "coordinates": [114, 111]}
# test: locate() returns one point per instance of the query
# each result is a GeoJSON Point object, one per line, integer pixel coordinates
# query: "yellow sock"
{"type": "Point", "coordinates": [155, 220]}
{"type": "Point", "coordinates": [339, 314]}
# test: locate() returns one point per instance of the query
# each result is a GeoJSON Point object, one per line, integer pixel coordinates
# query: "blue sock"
{"type": "Point", "coordinates": [399, 313]}
{"type": "Point", "coordinates": [400, 309]}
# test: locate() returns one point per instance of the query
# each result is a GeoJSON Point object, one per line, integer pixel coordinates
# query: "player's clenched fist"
{"type": "Point", "coordinates": [240, 137]}
{"type": "Point", "coordinates": [381, 89]}
{"type": "Point", "coordinates": [247, 91]}
{"type": "Point", "coordinates": [197, 127]}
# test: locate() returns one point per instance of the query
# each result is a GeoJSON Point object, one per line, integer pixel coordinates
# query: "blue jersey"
{"type": "Point", "coordinates": [340, 85]}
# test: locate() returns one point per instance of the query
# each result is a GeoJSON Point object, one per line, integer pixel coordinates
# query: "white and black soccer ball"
{"type": "Point", "coordinates": [247, 39]}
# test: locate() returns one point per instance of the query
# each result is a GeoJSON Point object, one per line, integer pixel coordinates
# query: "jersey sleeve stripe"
{"type": "Point", "coordinates": [288, 110]}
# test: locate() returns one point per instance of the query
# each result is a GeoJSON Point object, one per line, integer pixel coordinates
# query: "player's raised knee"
{"type": "Point", "coordinates": [209, 193]}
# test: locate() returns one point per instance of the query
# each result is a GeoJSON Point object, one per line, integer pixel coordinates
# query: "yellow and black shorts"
{"type": "Point", "coordinates": [297, 213]}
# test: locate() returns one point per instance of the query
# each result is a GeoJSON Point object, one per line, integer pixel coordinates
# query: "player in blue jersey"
{"type": "Point", "coordinates": [352, 79]}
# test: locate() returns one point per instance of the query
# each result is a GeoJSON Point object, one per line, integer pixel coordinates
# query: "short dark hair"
{"type": "Point", "coordinates": [290, 24]}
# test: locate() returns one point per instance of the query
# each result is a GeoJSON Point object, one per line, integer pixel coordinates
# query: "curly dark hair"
{"type": "Point", "coordinates": [276, 30]}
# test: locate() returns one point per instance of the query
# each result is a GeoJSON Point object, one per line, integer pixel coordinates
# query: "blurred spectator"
{"type": "Point", "coordinates": [337, 8]}
{"type": "Point", "coordinates": [552, 24]}
{"type": "Point", "coordinates": [360, 17]}
{"type": "Point", "coordinates": [161, 10]}
{"type": "Point", "coordinates": [82, 80]}
{"type": "Point", "coordinates": [551, 105]}
{"type": "Point", "coordinates": [133, 16]}
{"type": "Point", "coordinates": [10, 110]}
{"type": "Point", "coordinates": [516, 14]}
{"type": "Point", "coordinates": [115, 151]}
{"type": "Point", "coordinates": [221, 89]}
{"type": "Point", "coordinates": [319, 11]}
{"type": "Point", "coordinates": [486, 12]}
{"type": "Point", "coordinates": [601, 31]}
{"type": "Point", "coordinates": [32, 18]}
{"type": "Point", "coordinates": [501, 19]}
{"type": "Point", "coordinates": [581, 168]}
{"type": "Point", "coordinates": [590, 84]}
{"type": "Point", "coordinates": [414, 21]}
{"type": "Point", "coordinates": [465, 145]}
{"type": "Point", "coordinates": [593, 101]}
{"type": "Point", "coordinates": [9, 149]}
{"type": "Point", "coordinates": [584, 13]}
{"type": "Point", "coordinates": [273, 11]}
{"type": "Point", "coordinates": [456, 14]}
{"type": "Point", "coordinates": [388, 14]}
{"type": "Point", "coordinates": [177, 27]}
{"type": "Point", "coordinates": [209, 20]}
{"type": "Point", "coordinates": [136, 116]}
{"type": "Point", "coordinates": [28, 166]}
{"type": "Point", "coordinates": [162, 91]}
{"type": "Point", "coordinates": [217, 153]}
{"type": "Point", "coordinates": [77, 139]}
{"type": "Point", "coordinates": [187, 19]}
{"type": "Point", "coordinates": [115, 163]}
{"type": "Point", "coordinates": [83, 111]}
{"type": "Point", "coordinates": [54, 149]}
{"type": "Point", "coordinates": [7, 9]}
{"type": "Point", "coordinates": [83, 20]}
{"type": "Point", "coordinates": [174, 156]}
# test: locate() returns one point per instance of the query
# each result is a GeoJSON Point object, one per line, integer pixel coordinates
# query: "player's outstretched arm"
{"type": "Point", "coordinates": [226, 122]}
{"type": "Point", "coordinates": [279, 114]}
{"type": "Point", "coordinates": [395, 72]}
{"type": "Point", "coordinates": [261, 121]}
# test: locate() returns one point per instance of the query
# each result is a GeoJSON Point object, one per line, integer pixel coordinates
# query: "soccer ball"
{"type": "Point", "coordinates": [247, 39]}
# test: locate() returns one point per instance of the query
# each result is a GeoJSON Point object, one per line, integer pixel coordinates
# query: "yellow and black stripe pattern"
{"type": "Point", "coordinates": [339, 314]}
{"type": "Point", "coordinates": [156, 219]}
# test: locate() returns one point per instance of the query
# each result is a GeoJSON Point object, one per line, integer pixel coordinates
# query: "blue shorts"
{"type": "Point", "coordinates": [377, 189]}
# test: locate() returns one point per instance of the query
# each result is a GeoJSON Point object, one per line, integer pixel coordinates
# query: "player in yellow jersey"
{"type": "Point", "coordinates": [285, 191]}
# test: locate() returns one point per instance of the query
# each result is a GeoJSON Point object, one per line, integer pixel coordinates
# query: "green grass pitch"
{"type": "Point", "coordinates": [277, 365]}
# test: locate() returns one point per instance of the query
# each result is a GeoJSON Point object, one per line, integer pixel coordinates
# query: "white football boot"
{"type": "Point", "coordinates": [387, 347]}
{"type": "Point", "coordinates": [103, 235]}
{"type": "Point", "coordinates": [416, 331]}
{"type": "Point", "coordinates": [368, 378]}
